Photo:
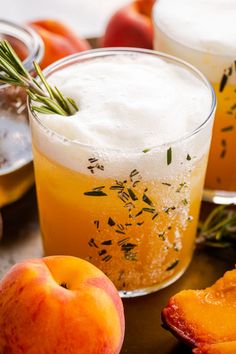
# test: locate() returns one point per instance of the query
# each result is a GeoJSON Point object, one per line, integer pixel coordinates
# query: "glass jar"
{"type": "Point", "coordinates": [16, 169]}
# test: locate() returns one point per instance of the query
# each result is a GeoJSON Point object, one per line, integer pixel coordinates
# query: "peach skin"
{"type": "Point", "coordinates": [60, 305]}
{"type": "Point", "coordinates": [59, 40]}
{"type": "Point", "coordinates": [131, 26]}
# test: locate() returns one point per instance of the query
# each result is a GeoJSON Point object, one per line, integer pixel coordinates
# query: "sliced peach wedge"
{"type": "Point", "coordinates": [200, 317]}
{"type": "Point", "coordinates": [219, 348]}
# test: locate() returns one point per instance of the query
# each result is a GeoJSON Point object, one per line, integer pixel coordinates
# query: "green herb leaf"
{"type": "Point", "coordinates": [169, 156]}
{"type": "Point", "coordinates": [13, 72]}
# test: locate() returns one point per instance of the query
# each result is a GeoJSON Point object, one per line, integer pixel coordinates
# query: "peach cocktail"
{"type": "Point", "coordinates": [208, 43]}
{"type": "Point", "coordinates": [120, 182]}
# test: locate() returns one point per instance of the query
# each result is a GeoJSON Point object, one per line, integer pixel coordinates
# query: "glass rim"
{"type": "Point", "coordinates": [36, 49]}
{"type": "Point", "coordinates": [101, 52]}
{"type": "Point", "coordinates": [192, 47]}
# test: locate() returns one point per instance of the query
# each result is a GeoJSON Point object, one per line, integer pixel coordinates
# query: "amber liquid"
{"type": "Point", "coordinates": [221, 171]}
{"type": "Point", "coordinates": [140, 233]}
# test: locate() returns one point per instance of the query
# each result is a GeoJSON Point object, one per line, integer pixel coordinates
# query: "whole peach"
{"type": "Point", "coordinates": [131, 26]}
{"type": "Point", "coordinates": [59, 305]}
{"type": "Point", "coordinates": [59, 40]}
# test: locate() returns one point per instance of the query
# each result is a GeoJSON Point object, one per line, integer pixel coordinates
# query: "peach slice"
{"type": "Point", "coordinates": [219, 348]}
{"type": "Point", "coordinates": [208, 316]}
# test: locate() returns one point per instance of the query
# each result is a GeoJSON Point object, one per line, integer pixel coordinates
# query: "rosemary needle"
{"type": "Point", "coordinates": [50, 100]}
{"type": "Point", "coordinates": [219, 228]}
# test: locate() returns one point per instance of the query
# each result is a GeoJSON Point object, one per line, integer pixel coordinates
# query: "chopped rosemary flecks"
{"type": "Point", "coordinates": [146, 150]}
{"type": "Point", "coordinates": [132, 194]}
{"type": "Point", "coordinates": [50, 99]}
{"type": "Point", "coordinates": [92, 243]}
{"type": "Point", "coordinates": [123, 196]}
{"type": "Point", "coordinates": [185, 201]}
{"type": "Point", "coordinates": [111, 222]}
{"type": "Point", "coordinates": [173, 265]}
{"type": "Point", "coordinates": [169, 156]}
{"type": "Point", "coordinates": [120, 232]}
{"type": "Point", "coordinates": [96, 192]}
{"type": "Point", "coordinates": [228, 128]}
{"type": "Point", "coordinates": [147, 200]}
{"type": "Point", "coordinates": [149, 210]}
{"type": "Point", "coordinates": [94, 165]}
{"type": "Point", "coordinates": [107, 258]}
{"type": "Point", "coordinates": [188, 158]}
{"type": "Point", "coordinates": [123, 241]}
{"type": "Point", "coordinates": [154, 216]}
{"type": "Point", "coordinates": [106, 243]}
{"type": "Point", "coordinates": [96, 222]}
{"type": "Point", "coordinates": [223, 153]}
{"type": "Point", "coordinates": [140, 223]}
{"type": "Point", "coordinates": [224, 80]}
{"type": "Point", "coordinates": [168, 209]}
{"type": "Point", "coordinates": [181, 186]}
{"type": "Point", "coordinates": [102, 252]}
{"type": "Point", "coordinates": [166, 184]}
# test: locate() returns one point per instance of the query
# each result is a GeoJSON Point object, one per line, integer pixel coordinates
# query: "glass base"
{"type": "Point", "coordinates": [219, 197]}
{"type": "Point", "coordinates": [155, 287]}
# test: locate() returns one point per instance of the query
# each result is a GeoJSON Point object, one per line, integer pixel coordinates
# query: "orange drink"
{"type": "Point", "coordinates": [188, 30]}
{"type": "Point", "coordinates": [106, 192]}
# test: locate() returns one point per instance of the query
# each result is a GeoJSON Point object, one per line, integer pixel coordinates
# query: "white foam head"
{"type": "Point", "coordinates": [127, 102]}
{"type": "Point", "coordinates": [186, 27]}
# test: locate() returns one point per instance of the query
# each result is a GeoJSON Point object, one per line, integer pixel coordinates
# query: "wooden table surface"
{"type": "Point", "coordinates": [144, 334]}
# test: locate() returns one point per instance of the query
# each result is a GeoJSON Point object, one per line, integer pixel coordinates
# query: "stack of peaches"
{"type": "Point", "coordinates": [64, 305]}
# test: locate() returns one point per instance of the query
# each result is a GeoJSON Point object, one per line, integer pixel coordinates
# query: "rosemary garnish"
{"type": "Point", "coordinates": [219, 228]}
{"type": "Point", "coordinates": [50, 99]}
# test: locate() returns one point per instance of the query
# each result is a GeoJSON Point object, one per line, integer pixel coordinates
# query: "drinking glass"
{"type": "Point", "coordinates": [220, 69]}
{"type": "Point", "coordinates": [131, 212]}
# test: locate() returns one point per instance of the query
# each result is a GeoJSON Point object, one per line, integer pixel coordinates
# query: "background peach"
{"type": "Point", "coordinates": [131, 26]}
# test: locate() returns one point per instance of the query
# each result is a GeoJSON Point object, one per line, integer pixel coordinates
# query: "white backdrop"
{"type": "Point", "coordinates": [87, 17]}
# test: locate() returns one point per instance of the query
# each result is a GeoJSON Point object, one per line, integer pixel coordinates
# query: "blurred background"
{"type": "Point", "coordinates": [88, 18]}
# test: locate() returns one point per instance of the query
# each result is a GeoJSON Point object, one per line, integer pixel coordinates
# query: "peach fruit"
{"type": "Point", "coordinates": [131, 26]}
{"type": "Point", "coordinates": [204, 317]}
{"type": "Point", "coordinates": [60, 305]}
{"type": "Point", "coordinates": [59, 40]}
{"type": "Point", "coordinates": [219, 348]}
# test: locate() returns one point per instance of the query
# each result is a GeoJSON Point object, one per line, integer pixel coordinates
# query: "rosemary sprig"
{"type": "Point", "coordinates": [50, 99]}
{"type": "Point", "coordinates": [219, 228]}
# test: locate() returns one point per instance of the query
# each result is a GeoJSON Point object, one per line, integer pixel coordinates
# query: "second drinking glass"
{"type": "Point", "coordinates": [203, 33]}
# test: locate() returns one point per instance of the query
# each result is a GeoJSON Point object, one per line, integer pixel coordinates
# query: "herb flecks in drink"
{"type": "Point", "coordinates": [188, 158]}
{"type": "Point", "coordinates": [228, 128]}
{"type": "Point", "coordinates": [50, 99]}
{"type": "Point", "coordinates": [94, 165]}
{"type": "Point", "coordinates": [96, 192]}
{"type": "Point", "coordinates": [146, 150]}
{"type": "Point", "coordinates": [173, 265]}
{"type": "Point", "coordinates": [169, 156]}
